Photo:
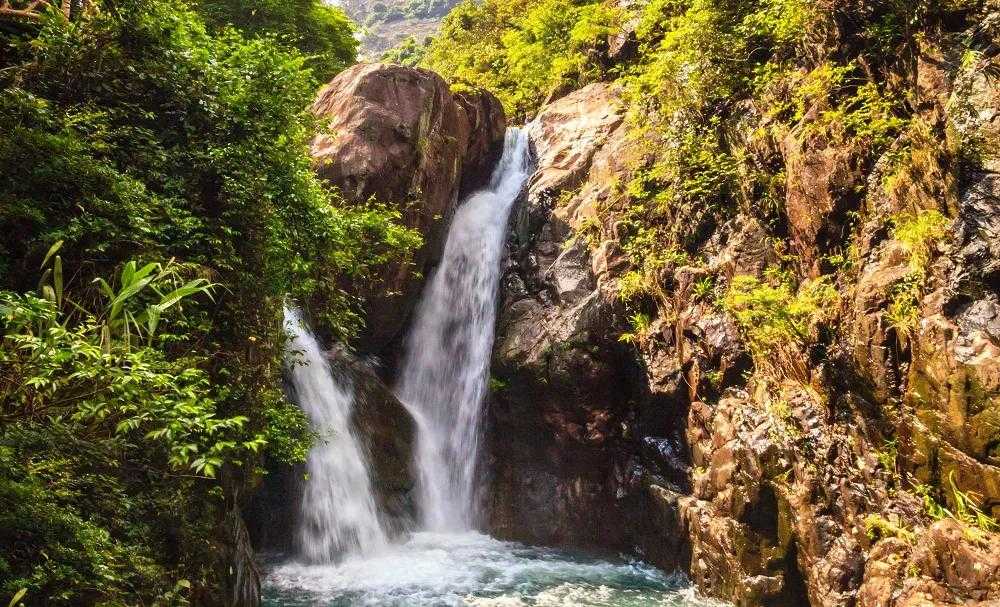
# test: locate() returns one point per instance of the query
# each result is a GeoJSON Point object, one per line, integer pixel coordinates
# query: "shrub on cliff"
{"type": "Point", "coordinates": [522, 51]}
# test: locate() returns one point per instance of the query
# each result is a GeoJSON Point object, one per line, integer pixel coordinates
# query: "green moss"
{"type": "Point", "coordinates": [878, 527]}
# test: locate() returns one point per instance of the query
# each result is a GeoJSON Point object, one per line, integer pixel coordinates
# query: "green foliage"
{"type": "Point", "coordinates": [641, 324]}
{"type": "Point", "coordinates": [137, 134]}
{"type": "Point", "coordinates": [521, 50]}
{"type": "Point", "coordinates": [919, 233]}
{"type": "Point", "coordinates": [322, 32]}
{"type": "Point", "coordinates": [374, 13]}
{"type": "Point", "coordinates": [703, 288]}
{"type": "Point", "coordinates": [967, 510]}
{"type": "Point", "coordinates": [498, 385]}
{"type": "Point", "coordinates": [87, 414]}
{"type": "Point", "coordinates": [888, 455]}
{"type": "Point", "coordinates": [679, 196]}
{"type": "Point", "coordinates": [409, 53]}
{"type": "Point", "coordinates": [775, 316]}
{"type": "Point", "coordinates": [16, 599]}
{"type": "Point", "coordinates": [631, 285]}
{"type": "Point", "coordinates": [845, 107]}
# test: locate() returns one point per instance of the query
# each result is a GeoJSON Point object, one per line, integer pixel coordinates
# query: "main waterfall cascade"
{"type": "Point", "coordinates": [348, 559]}
{"type": "Point", "coordinates": [338, 514]}
{"type": "Point", "coordinates": [445, 371]}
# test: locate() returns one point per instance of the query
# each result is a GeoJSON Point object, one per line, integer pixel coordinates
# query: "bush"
{"type": "Point", "coordinates": [135, 133]}
{"type": "Point", "coordinates": [320, 31]}
{"type": "Point", "coordinates": [521, 50]}
{"type": "Point", "coordinates": [100, 432]}
{"type": "Point", "coordinates": [919, 233]}
{"type": "Point", "coordinates": [777, 319]}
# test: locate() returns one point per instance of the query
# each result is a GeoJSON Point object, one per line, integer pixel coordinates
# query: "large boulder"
{"type": "Point", "coordinates": [388, 432]}
{"type": "Point", "coordinates": [399, 136]}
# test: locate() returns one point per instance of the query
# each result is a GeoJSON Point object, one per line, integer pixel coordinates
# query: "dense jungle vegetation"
{"type": "Point", "coordinates": [157, 208]}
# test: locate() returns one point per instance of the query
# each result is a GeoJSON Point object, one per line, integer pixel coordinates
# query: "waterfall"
{"type": "Point", "coordinates": [445, 371]}
{"type": "Point", "coordinates": [339, 514]}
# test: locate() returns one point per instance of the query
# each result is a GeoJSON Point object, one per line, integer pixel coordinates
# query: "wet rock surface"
{"type": "Point", "coordinates": [387, 432]}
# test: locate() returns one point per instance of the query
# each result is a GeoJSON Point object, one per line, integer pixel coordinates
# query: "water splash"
{"type": "Point", "coordinates": [462, 569]}
{"type": "Point", "coordinates": [444, 374]}
{"type": "Point", "coordinates": [339, 515]}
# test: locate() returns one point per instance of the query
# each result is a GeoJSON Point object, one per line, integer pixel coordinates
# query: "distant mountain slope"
{"type": "Point", "coordinates": [386, 23]}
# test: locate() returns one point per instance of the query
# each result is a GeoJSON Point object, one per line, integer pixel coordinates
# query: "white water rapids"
{"type": "Point", "coordinates": [345, 557]}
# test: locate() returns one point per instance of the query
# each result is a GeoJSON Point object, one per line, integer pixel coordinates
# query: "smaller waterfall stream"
{"type": "Point", "coordinates": [339, 515]}
{"type": "Point", "coordinates": [445, 371]}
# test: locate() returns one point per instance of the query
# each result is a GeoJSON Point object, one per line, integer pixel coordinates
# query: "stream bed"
{"type": "Point", "coordinates": [444, 570]}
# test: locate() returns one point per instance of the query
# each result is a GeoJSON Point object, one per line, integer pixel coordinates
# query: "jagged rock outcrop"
{"type": "Point", "coordinates": [559, 408]}
{"type": "Point", "coordinates": [807, 479]}
{"type": "Point", "coordinates": [584, 447]}
{"type": "Point", "coordinates": [399, 136]}
{"type": "Point", "coordinates": [943, 567]}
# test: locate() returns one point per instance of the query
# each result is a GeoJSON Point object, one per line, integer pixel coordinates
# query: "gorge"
{"type": "Point", "coordinates": [577, 302]}
{"type": "Point", "coordinates": [587, 445]}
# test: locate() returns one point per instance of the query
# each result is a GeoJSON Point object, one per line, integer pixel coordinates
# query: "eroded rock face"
{"type": "Point", "coordinates": [559, 412]}
{"type": "Point", "coordinates": [787, 497]}
{"type": "Point", "coordinates": [398, 135]}
{"type": "Point", "coordinates": [799, 485]}
{"type": "Point", "coordinates": [953, 383]}
{"type": "Point", "coordinates": [821, 182]}
{"type": "Point", "coordinates": [944, 567]}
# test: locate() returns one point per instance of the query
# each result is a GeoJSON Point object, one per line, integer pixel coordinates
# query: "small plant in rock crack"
{"type": "Point", "coordinates": [640, 329]}
{"type": "Point", "coordinates": [975, 521]}
{"type": "Point", "coordinates": [919, 234]}
{"type": "Point", "coordinates": [703, 288]}
{"type": "Point", "coordinates": [886, 457]}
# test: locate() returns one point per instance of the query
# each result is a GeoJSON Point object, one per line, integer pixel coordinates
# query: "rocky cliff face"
{"type": "Point", "coordinates": [399, 136]}
{"type": "Point", "coordinates": [856, 464]}
{"type": "Point", "coordinates": [806, 476]}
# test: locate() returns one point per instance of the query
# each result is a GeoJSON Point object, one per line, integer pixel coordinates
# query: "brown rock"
{"type": "Point", "coordinates": [568, 133]}
{"type": "Point", "coordinates": [947, 565]}
{"type": "Point", "coordinates": [821, 181]}
{"type": "Point", "coordinates": [398, 135]}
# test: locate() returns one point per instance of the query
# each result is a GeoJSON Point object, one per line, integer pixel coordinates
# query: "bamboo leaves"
{"type": "Point", "coordinates": [134, 306]}
{"type": "Point", "coordinates": [121, 322]}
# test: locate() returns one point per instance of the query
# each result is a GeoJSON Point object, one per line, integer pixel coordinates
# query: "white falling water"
{"type": "Point", "coordinates": [339, 515]}
{"type": "Point", "coordinates": [445, 370]}
{"type": "Point", "coordinates": [444, 380]}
